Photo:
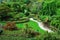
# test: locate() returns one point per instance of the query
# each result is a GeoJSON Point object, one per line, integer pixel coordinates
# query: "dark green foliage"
{"type": "Point", "coordinates": [27, 14]}
{"type": "Point", "coordinates": [4, 10]}
{"type": "Point", "coordinates": [50, 13]}
{"type": "Point", "coordinates": [14, 9]}
{"type": "Point", "coordinates": [1, 31]}
{"type": "Point", "coordinates": [51, 36]}
{"type": "Point", "coordinates": [49, 8]}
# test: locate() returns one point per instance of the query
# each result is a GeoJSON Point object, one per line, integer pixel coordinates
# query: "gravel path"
{"type": "Point", "coordinates": [41, 25]}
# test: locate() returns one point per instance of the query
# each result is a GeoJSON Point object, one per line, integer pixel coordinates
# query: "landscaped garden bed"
{"type": "Point", "coordinates": [30, 20]}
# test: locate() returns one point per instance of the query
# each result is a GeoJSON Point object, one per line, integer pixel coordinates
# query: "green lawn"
{"type": "Point", "coordinates": [35, 26]}
{"type": "Point", "coordinates": [16, 35]}
{"type": "Point", "coordinates": [32, 24]}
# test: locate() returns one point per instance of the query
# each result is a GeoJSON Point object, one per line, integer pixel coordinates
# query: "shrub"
{"type": "Point", "coordinates": [10, 26]}
{"type": "Point", "coordinates": [1, 32]}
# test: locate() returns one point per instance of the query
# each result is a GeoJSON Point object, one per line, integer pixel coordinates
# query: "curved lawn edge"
{"type": "Point", "coordinates": [32, 24]}
{"type": "Point", "coordinates": [35, 27]}
{"type": "Point", "coordinates": [41, 25]}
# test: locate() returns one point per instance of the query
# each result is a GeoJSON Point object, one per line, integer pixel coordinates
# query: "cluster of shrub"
{"type": "Point", "coordinates": [17, 10]}
{"type": "Point", "coordinates": [8, 26]}
{"type": "Point", "coordinates": [13, 11]}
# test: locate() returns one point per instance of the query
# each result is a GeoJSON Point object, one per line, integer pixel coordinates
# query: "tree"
{"type": "Point", "coordinates": [4, 10]}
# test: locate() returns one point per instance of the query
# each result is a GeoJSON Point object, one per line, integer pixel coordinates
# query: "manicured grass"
{"type": "Point", "coordinates": [32, 24]}
{"type": "Point", "coordinates": [35, 26]}
{"type": "Point", "coordinates": [20, 25]}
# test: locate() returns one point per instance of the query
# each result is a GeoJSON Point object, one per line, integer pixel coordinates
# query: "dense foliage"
{"type": "Point", "coordinates": [50, 14]}
{"type": "Point", "coordinates": [48, 11]}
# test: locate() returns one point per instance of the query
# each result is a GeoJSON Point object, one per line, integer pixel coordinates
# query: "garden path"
{"type": "Point", "coordinates": [41, 25]}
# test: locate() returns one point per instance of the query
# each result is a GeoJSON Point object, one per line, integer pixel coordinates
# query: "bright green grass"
{"type": "Point", "coordinates": [32, 24]}
{"type": "Point", "coordinates": [35, 26]}
{"type": "Point", "coordinates": [20, 25]}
